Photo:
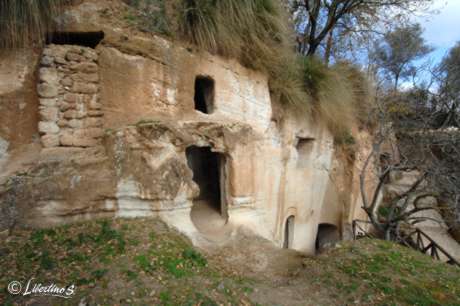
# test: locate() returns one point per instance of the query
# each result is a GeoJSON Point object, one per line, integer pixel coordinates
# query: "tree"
{"type": "Point", "coordinates": [316, 19]}
{"type": "Point", "coordinates": [449, 89]}
{"type": "Point", "coordinates": [396, 54]}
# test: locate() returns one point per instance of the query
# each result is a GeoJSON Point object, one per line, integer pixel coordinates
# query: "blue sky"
{"type": "Point", "coordinates": [442, 30]}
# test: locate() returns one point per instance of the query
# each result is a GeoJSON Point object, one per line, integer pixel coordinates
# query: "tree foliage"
{"type": "Point", "coordinates": [396, 54]}
{"type": "Point", "coordinates": [317, 19]}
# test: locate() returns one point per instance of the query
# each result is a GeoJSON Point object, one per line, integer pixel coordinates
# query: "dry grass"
{"type": "Point", "coordinates": [23, 22]}
{"type": "Point", "coordinates": [341, 94]}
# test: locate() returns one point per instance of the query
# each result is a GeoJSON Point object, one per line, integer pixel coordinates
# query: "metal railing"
{"type": "Point", "coordinates": [417, 239]}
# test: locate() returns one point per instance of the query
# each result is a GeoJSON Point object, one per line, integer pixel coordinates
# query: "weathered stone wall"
{"type": "Point", "coordinates": [70, 111]}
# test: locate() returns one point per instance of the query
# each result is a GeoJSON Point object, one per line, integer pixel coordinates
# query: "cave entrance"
{"type": "Point", "coordinates": [328, 235]}
{"type": "Point", "coordinates": [85, 39]}
{"type": "Point", "coordinates": [289, 232]}
{"type": "Point", "coordinates": [304, 149]}
{"type": "Point", "coordinates": [204, 94]}
{"type": "Point", "coordinates": [209, 207]}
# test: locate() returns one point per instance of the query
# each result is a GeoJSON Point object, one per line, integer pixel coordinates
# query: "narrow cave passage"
{"type": "Point", "coordinates": [208, 211]}
{"type": "Point", "coordinates": [85, 39]}
{"type": "Point", "coordinates": [204, 94]}
{"type": "Point", "coordinates": [327, 236]}
{"type": "Point", "coordinates": [289, 232]}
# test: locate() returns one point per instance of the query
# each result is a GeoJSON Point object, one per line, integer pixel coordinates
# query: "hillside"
{"type": "Point", "coordinates": [142, 262]}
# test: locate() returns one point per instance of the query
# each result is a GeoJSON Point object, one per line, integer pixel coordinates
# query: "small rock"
{"type": "Point", "coordinates": [90, 54]}
{"type": "Point", "coordinates": [95, 113]}
{"type": "Point", "coordinates": [86, 77]}
{"type": "Point", "coordinates": [63, 106]}
{"type": "Point", "coordinates": [47, 91]}
{"type": "Point", "coordinates": [49, 113]}
{"type": "Point", "coordinates": [85, 67]}
{"type": "Point", "coordinates": [63, 123]}
{"type": "Point", "coordinates": [72, 98]}
{"type": "Point", "coordinates": [89, 132]}
{"type": "Point", "coordinates": [67, 81]}
{"type": "Point", "coordinates": [50, 141]}
{"type": "Point", "coordinates": [74, 57]}
{"type": "Point", "coordinates": [60, 60]}
{"type": "Point", "coordinates": [81, 87]}
{"type": "Point", "coordinates": [48, 75]}
{"type": "Point", "coordinates": [48, 127]}
{"type": "Point", "coordinates": [74, 114]}
{"type": "Point", "coordinates": [75, 123]}
{"type": "Point", "coordinates": [93, 122]}
{"type": "Point", "coordinates": [47, 61]}
{"type": "Point", "coordinates": [48, 102]}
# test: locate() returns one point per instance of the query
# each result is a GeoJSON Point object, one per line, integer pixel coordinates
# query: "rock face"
{"type": "Point", "coordinates": [69, 102]}
{"type": "Point", "coordinates": [141, 126]}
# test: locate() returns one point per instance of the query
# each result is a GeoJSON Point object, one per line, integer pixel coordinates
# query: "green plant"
{"type": "Point", "coordinates": [195, 257]}
{"type": "Point", "coordinates": [24, 21]}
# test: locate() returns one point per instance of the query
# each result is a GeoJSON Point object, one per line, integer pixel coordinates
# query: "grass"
{"type": "Point", "coordinates": [142, 262]}
{"type": "Point", "coordinates": [377, 272]}
{"type": "Point", "coordinates": [138, 262]}
{"type": "Point", "coordinates": [22, 22]}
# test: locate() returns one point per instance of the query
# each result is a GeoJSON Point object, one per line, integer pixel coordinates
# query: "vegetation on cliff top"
{"type": "Point", "coordinates": [257, 33]}
{"type": "Point", "coordinates": [22, 21]}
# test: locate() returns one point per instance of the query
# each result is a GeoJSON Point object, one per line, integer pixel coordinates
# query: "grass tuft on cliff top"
{"type": "Point", "coordinates": [24, 21]}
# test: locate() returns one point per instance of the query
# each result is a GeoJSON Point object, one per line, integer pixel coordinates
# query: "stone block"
{"type": "Point", "coordinates": [75, 123]}
{"type": "Point", "coordinates": [85, 142]}
{"type": "Point", "coordinates": [86, 77]}
{"type": "Point", "coordinates": [72, 98]}
{"type": "Point", "coordinates": [47, 61]}
{"type": "Point", "coordinates": [85, 67]}
{"type": "Point", "coordinates": [92, 122]}
{"type": "Point", "coordinates": [94, 105]}
{"type": "Point", "coordinates": [48, 102]}
{"type": "Point", "coordinates": [63, 123]}
{"type": "Point", "coordinates": [64, 106]}
{"type": "Point", "coordinates": [49, 75]}
{"type": "Point", "coordinates": [45, 127]}
{"type": "Point", "coordinates": [95, 113]}
{"type": "Point", "coordinates": [74, 114]}
{"type": "Point", "coordinates": [89, 133]}
{"type": "Point", "coordinates": [47, 90]}
{"type": "Point", "coordinates": [66, 139]}
{"type": "Point", "coordinates": [86, 88]}
{"type": "Point", "coordinates": [49, 113]}
{"type": "Point", "coordinates": [90, 54]}
{"type": "Point", "coordinates": [67, 81]}
{"type": "Point", "coordinates": [60, 60]}
{"type": "Point", "coordinates": [74, 57]}
{"type": "Point", "coordinates": [50, 141]}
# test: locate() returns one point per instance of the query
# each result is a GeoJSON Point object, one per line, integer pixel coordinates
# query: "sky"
{"type": "Point", "coordinates": [442, 30]}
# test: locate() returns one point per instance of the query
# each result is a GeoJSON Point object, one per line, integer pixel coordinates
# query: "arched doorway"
{"type": "Point", "coordinates": [328, 235]}
{"type": "Point", "coordinates": [289, 232]}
